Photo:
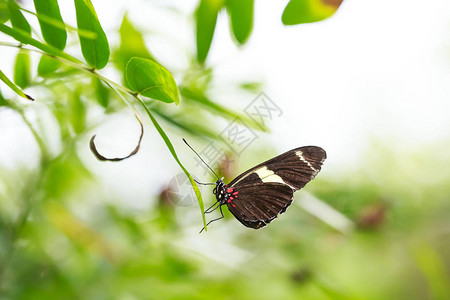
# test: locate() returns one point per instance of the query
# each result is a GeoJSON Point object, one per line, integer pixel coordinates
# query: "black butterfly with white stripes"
{"type": "Point", "coordinates": [260, 194]}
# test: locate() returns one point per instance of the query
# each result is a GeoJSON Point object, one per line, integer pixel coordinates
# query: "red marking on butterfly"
{"type": "Point", "coordinates": [233, 205]}
{"type": "Point", "coordinates": [231, 198]}
{"type": "Point", "coordinates": [229, 201]}
{"type": "Point", "coordinates": [235, 193]}
{"type": "Point", "coordinates": [230, 190]}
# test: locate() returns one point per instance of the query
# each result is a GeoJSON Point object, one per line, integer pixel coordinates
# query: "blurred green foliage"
{"type": "Point", "coordinates": [309, 11]}
{"type": "Point", "coordinates": [4, 12]}
{"type": "Point", "coordinates": [22, 71]}
{"type": "Point", "coordinates": [18, 20]}
{"type": "Point", "coordinates": [396, 248]}
{"type": "Point", "coordinates": [47, 66]}
{"type": "Point", "coordinates": [241, 18]}
{"type": "Point", "coordinates": [400, 253]}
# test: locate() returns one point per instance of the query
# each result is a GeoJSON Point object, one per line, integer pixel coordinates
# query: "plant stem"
{"type": "Point", "coordinates": [73, 65]}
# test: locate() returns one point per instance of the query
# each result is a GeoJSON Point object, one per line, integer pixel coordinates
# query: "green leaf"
{"type": "Point", "coordinates": [101, 92]}
{"type": "Point", "coordinates": [14, 87]}
{"type": "Point", "coordinates": [152, 80]}
{"type": "Point", "coordinates": [2, 100]}
{"type": "Point", "coordinates": [17, 19]}
{"type": "Point", "coordinates": [51, 22]}
{"type": "Point", "coordinates": [252, 86]}
{"type": "Point", "coordinates": [200, 98]}
{"type": "Point", "coordinates": [174, 154]}
{"type": "Point", "coordinates": [22, 72]}
{"type": "Point", "coordinates": [4, 12]}
{"type": "Point", "coordinates": [95, 51]}
{"type": "Point", "coordinates": [433, 266]}
{"type": "Point", "coordinates": [193, 126]}
{"type": "Point", "coordinates": [132, 44]}
{"type": "Point", "coordinates": [25, 38]}
{"type": "Point", "coordinates": [77, 112]}
{"type": "Point", "coordinates": [241, 18]}
{"type": "Point", "coordinates": [47, 66]}
{"type": "Point", "coordinates": [206, 18]}
{"type": "Point", "coordinates": [64, 174]}
{"type": "Point", "coordinates": [309, 11]}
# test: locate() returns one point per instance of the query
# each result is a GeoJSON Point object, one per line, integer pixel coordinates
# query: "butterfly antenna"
{"type": "Point", "coordinates": [200, 158]}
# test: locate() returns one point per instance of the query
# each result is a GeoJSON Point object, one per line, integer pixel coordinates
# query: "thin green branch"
{"type": "Point", "coordinates": [44, 152]}
{"type": "Point", "coordinates": [174, 154]}
{"type": "Point", "coordinates": [74, 65]}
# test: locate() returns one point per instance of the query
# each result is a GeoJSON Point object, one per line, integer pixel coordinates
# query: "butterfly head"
{"type": "Point", "coordinates": [221, 191]}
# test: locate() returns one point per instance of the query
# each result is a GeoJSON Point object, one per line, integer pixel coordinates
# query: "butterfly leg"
{"type": "Point", "coordinates": [212, 208]}
{"type": "Point", "coordinates": [204, 183]}
{"type": "Point", "coordinates": [221, 217]}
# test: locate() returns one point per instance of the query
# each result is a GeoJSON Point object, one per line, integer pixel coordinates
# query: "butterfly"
{"type": "Point", "coordinates": [257, 196]}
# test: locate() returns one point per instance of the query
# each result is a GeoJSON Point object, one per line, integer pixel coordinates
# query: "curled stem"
{"type": "Point", "coordinates": [103, 158]}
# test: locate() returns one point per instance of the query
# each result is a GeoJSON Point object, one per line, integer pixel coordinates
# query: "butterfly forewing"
{"type": "Point", "coordinates": [295, 168]}
{"type": "Point", "coordinates": [266, 190]}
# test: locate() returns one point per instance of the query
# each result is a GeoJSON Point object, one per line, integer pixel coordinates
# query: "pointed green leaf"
{"type": "Point", "coordinates": [47, 66]}
{"type": "Point", "coordinates": [14, 87]}
{"type": "Point", "coordinates": [132, 44]}
{"type": "Point", "coordinates": [152, 80]}
{"type": "Point", "coordinates": [22, 72]}
{"type": "Point", "coordinates": [25, 38]}
{"type": "Point", "coordinates": [101, 92]}
{"type": "Point", "coordinates": [206, 18]}
{"type": "Point", "coordinates": [95, 51]}
{"type": "Point", "coordinates": [241, 18]}
{"type": "Point", "coordinates": [51, 22]}
{"type": "Point", "coordinates": [308, 11]}
{"type": "Point", "coordinates": [17, 18]}
{"type": "Point", "coordinates": [198, 96]}
{"type": "Point", "coordinates": [193, 126]}
{"type": "Point", "coordinates": [4, 12]}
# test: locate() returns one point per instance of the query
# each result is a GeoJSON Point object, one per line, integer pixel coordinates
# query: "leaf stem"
{"type": "Point", "coordinates": [74, 65]}
{"type": "Point", "coordinates": [174, 154]}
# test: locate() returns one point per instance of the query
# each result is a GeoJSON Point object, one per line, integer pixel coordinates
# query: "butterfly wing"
{"type": "Point", "coordinates": [266, 190]}
{"type": "Point", "coordinates": [258, 203]}
{"type": "Point", "coordinates": [295, 168]}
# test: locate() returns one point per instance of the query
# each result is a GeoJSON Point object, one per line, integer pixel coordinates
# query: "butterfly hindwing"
{"type": "Point", "coordinates": [259, 203]}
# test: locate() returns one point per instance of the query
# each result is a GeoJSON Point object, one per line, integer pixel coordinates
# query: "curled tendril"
{"type": "Point", "coordinates": [102, 158]}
